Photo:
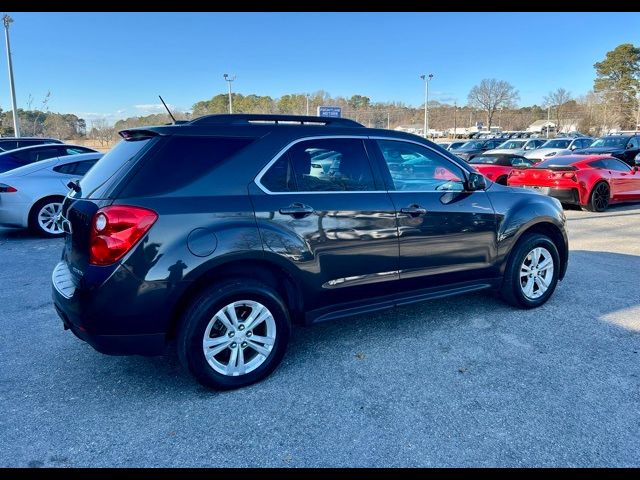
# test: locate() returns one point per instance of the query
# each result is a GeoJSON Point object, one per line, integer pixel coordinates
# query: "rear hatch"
{"type": "Point", "coordinates": [96, 190]}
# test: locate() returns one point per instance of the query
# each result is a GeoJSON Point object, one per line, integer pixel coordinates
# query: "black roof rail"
{"type": "Point", "coordinates": [254, 118]}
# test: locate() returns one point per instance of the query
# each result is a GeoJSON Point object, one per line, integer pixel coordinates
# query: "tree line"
{"type": "Point", "coordinates": [613, 102]}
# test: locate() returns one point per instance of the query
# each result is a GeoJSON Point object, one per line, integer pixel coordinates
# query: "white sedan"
{"type": "Point", "coordinates": [517, 146]}
{"type": "Point", "coordinates": [558, 146]}
{"type": "Point", "coordinates": [31, 196]}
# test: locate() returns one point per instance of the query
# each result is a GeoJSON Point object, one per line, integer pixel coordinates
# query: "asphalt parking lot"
{"type": "Point", "coordinates": [457, 382]}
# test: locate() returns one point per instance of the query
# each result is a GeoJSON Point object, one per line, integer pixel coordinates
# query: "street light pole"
{"type": "Point", "coordinates": [307, 95]}
{"type": "Point", "coordinates": [455, 119]}
{"type": "Point", "coordinates": [426, 79]}
{"type": "Point", "coordinates": [548, 119]}
{"type": "Point", "coordinates": [16, 128]}
{"type": "Point", "coordinates": [229, 79]}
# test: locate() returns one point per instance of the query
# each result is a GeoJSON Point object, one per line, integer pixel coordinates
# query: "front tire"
{"type": "Point", "coordinates": [234, 333]}
{"type": "Point", "coordinates": [531, 274]}
{"type": "Point", "coordinates": [599, 198]}
{"type": "Point", "coordinates": [43, 217]}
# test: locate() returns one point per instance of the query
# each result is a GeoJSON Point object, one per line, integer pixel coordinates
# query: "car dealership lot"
{"type": "Point", "coordinates": [463, 381]}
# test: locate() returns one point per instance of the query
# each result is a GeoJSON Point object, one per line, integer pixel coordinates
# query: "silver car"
{"type": "Point", "coordinates": [31, 196]}
{"type": "Point", "coordinates": [517, 146]}
{"type": "Point", "coordinates": [558, 146]}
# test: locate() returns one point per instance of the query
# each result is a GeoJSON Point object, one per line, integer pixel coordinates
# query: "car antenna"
{"type": "Point", "coordinates": [168, 111]}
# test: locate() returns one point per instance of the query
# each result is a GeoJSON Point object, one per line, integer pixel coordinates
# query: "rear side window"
{"type": "Point", "coordinates": [35, 155]}
{"type": "Point", "coordinates": [8, 144]}
{"type": "Point", "coordinates": [180, 161]}
{"type": "Point", "coordinates": [108, 165]}
{"type": "Point", "coordinates": [280, 177]}
{"type": "Point", "coordinates": [76, 168]}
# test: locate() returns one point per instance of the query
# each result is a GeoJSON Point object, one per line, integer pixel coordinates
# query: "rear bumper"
{"type": "Point", "coordinates": [13, 214]}
{"type": "Point", "coordinates": [147, 344]}
{"type": "Point", "coordinates": [565, 195]}
{"type": "Point", "coordinates": [107, 318]}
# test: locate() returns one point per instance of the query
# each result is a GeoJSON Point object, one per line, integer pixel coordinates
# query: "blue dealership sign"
{"type": "Point", "coordinates": [334, 112]}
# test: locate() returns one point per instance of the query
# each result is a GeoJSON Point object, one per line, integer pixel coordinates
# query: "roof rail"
{"type": "Point", "coordinates": [253, 118]}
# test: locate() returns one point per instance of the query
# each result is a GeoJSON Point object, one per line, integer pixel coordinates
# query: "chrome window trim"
{"type": "Point", "coordinates": [258, 179]}
{"type": "Point", "coordinates": [282, 151]}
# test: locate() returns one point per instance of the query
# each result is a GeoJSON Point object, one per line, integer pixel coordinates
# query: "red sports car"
{"type": "Point", "coordinates": [591, 181]}
{"type": "Point", "coordinates": [497, 167]}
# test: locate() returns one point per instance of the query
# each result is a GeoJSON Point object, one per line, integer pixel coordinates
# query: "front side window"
{"type": "Point", "coordinates": [633, 143]}
{"type": "Point", "coordinates": [414, 167]}
{"type": "Point", "coordinates": [610, 142]}
{"type": "Point", "coordinates": [323, 165]}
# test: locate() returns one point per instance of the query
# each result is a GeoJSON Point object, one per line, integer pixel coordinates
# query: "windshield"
{"type": "Point", "coordinates": [108, 165]}
{"type": "Point", "coordinates": [486, 159]}
{"type": "Point", "coordinates": [556, 144]}
{"type": "Point", "coordinates": [472, 145]}
{"type": "Point", "coordinates": [512, 144]}
{"type": "Point", "coordinates": [616, 142]}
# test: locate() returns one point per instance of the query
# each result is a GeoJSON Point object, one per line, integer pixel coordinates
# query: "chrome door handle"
{"type": "Point", "coordinates": [414, 210]}
{"type": "Point", "coordinates": [297, 210]}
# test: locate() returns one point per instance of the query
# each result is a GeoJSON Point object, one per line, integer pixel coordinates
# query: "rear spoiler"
{"type": "Point", "coordinates": [557, 168]}
{"type": "Point", "coordinates": [137, 134]}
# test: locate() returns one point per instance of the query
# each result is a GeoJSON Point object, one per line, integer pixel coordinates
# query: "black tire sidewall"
{"type": "Point", "coordinates": [513, 273]}
{"type": "Point", "coordinates": [197, 318]}
{"type": "Point", "coordinates": [591, 205]}
{"type": "Point", "coordinates": [34, 225]}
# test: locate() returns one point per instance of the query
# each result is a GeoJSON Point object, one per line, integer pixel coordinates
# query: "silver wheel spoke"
{"type": "Point", "coordinates": [528, 288]}
{"type": "Point", "coordinates": [262, 340]}
{"type": "Point", "coordinates": [259, 348]}
{"type": "Point", "coordinates": [230, 312]}
{"type": "Point", "coordinates": [240, 368]}
{"type": "Point", "coordinates": [545, 264]}
{"type": "Point", "coordinates": [212, 352]}
{"type": "Point", "coordinates": [257, 321]}
{"type": "Point", "coordinates": [542, 283]}
{"type": "Point", "coordinates": [222, 318]}
{"type": "Point", "coordinates": [214, 342]}
{"type": "Point", "coordinates": [233, 358]}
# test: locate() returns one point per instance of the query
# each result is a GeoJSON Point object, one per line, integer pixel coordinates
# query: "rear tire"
{"type": "Point", "coordinates": [599, 198]}
{"type": "Point", "coordinates": [531, 275]}
{"type": "Point", "coordinates": [234, 356]}
{"type": "Point", "coordinates": [42, 217]}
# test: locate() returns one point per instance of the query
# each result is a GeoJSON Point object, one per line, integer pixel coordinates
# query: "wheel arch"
{"type": "Point", "coordinates": [556, 235]}
{"type": "Point", "coordinates": [37, 202]}
{"type": "Point", "coordinates": [263, 270]}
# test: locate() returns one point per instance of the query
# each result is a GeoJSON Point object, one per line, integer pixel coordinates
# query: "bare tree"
{"type": "Point", "coordinates": [492, 94]}
{"type": "Point", "coordinates": [557, 99]}
{"type": "Point", "coordinates": [102, 131]}
{"type": "Point", "coordinates": [37, 114]}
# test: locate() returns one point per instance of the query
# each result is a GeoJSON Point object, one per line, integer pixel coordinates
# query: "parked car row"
{"type": "Point", "coordinates": [33, 182]}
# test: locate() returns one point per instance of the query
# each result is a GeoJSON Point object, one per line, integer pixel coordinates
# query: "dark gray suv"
{"type": "Point", "coordinates": [222, 232]}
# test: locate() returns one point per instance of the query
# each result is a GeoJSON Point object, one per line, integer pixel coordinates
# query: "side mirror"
{"type": "Point", "coordinates": [573, 147]}
{"type": "Point", "coordinates": [476, 182]}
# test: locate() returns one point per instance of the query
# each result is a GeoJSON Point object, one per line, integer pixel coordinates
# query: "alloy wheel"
{"type": "Point", "coordinates": [239, 338]}
{"type": "Point", "coordinates": [536, 273]}
{"type": "Point", "coordinates": [48, 218]}
{"type": "Point", "coordinates": [600, 197]}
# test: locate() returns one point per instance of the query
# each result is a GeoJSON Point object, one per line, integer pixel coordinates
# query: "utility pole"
{"type": "Point", "coordinates": [229, 79]}
{"type": "Point", "coordinates": [16, 128]}
{"type": "Point", "coordinates": [548, 118]}
{"type": "Point", "coordinates": [455, 120]}
{"type": "Point", "coordinates": [307, 95]}
{"type": "Point", "coordinates": [426, 79]}
{"type": "Point", "coordinates": [388, 121]}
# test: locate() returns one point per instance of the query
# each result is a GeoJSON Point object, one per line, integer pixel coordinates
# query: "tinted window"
{"type": "Point", "coordinates": [557, 162]}
{"type": "Point", "coordinates": [35, 155]}
{"type": "Point", "coordinates": [597, 164]}
{"type": "Point", "coordinates": [616, 165]}
{"type": "Point", "coordinates": [180, 161]}
{"type": "Point", "coordinates": [335, 164]}
{"type": "Point", "coordinates": [83, 167]}
{"type": "Point", "coordinates": [280, 177]}
{"type": "Point", "coordinates": [557, 144]}
{"type": "Point", "coordinates": [615, 142]}
{"type": "Point", "coordinates": [414, 167]}
{"type": "Point", "coordinates": [486, 159]}
{"type": "Point", "coordinates": [108, 165]}
{"type": "Point", "coordinates": [8, 144]}
{"type": "Point", "coordinates": [633, 143]}
{"type": "Point", "coordinates": [76, 150]}
{"type": "Point", "coordinates": [67, 169]}
{"type": "Point", "coordinates": [520, 162]}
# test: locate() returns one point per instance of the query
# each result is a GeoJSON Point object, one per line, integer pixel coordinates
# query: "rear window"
{"type": "Point", "coordinates": [557, 162]}
{"type": "Point", "coordinates": [180, 161]}
{"type": "Point", "coordinates": [108, 165]}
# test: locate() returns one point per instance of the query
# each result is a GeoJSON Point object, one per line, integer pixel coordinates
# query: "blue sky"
{"type": "Point", "coordinates": [115, 64]}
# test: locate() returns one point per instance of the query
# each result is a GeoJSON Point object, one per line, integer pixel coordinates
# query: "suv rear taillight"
{"type": "Point", "coordinates": [116, 229]}
{"type": "Point", "coordinates": [4, 188]}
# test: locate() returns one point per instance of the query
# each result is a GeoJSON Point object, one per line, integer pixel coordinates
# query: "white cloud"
{"type": "Point", "coordinates": [149, 108]}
